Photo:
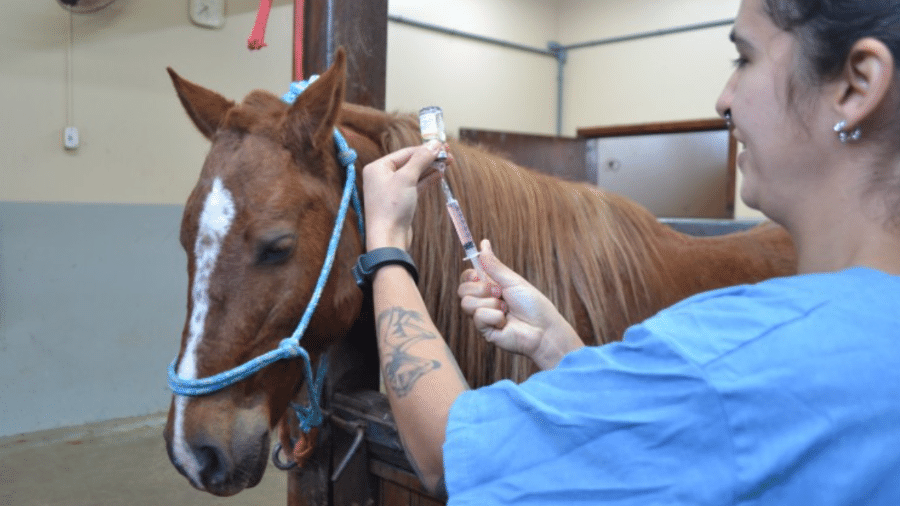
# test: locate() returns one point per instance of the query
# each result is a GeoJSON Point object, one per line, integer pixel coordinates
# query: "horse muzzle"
{"type": "Point", "coordinates": [222, 459]}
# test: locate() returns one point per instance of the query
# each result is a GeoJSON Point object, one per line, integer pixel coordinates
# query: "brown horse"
{"type": "Point", "coordinates": [256, 226]}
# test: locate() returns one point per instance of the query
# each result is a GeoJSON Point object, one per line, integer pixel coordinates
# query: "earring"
{"type": "Point", "coordinates": [844, 136]}
{"type": "Point", "coordinates": [728, 122]}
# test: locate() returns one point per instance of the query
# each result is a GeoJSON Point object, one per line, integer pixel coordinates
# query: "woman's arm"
{"type": "Point", "coordinates": [421, 375]}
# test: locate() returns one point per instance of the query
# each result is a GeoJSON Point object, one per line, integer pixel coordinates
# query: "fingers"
{"type": "Point", "coordinates": [497, 270]}
{"type": "Point", "coordinates": [471, 304]}
{"type": "Point", "coordinates": [475, 294]}
{"type": "Point", "coordinates": [391, 195]}
{"type": "Point", "coordinates": [430, 176]}
{"type": "Point", "coordinates": [413, 162]}
{"type": "Point", "coordinates": [468, 275]}
{"type": "Point", "coordinates": [489, 322]}
{"type": "Point", "coordinates": [471, 283]}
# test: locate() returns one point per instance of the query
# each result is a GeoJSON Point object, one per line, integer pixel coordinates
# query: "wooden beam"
{"type": "Point", "coordinates": [361, 28]}
{"type": "Point", "coordinates": [563, 157]}
{"type": "Point", "coordinates": [699, 125]}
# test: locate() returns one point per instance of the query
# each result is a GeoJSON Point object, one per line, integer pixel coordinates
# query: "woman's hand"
{"type": "Point", "coordinates": [514, 315]}
{"type": "Point", "coordinates": [390, 189]}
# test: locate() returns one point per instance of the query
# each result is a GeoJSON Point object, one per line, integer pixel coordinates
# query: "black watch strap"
{"type": "Point", "coordinates": [370, 262]}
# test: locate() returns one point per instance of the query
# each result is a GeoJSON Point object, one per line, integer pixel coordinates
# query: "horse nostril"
{"type": "Point", "coordinates": [212, 465]}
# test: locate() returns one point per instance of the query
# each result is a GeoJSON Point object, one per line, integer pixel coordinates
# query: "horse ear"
{"type": "Point", "coordinates": [205, 107]}
{"type": "Point", "coordinates": [315, 112]}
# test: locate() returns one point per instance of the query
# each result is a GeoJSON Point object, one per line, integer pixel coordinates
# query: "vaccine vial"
{"type": "Point", "coordinates": [431, 126]}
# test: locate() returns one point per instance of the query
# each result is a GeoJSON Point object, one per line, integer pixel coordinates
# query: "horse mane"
{"type": "Point", "coordinates": [546, 229]}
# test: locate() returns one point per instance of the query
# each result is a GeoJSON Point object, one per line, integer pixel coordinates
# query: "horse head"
{"type": "Point", "coordinates": [256, 228]}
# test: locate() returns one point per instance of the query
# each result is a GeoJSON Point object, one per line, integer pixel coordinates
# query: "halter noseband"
{"type": "Point", "coordinates": [309, 416]}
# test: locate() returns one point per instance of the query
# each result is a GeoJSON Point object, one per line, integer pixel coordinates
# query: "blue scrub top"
{"type": "Point", "coordinates": [785, 392]}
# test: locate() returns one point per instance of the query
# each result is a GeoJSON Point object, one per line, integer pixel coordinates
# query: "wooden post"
{"type": "Point", "coordinates": [361, 28]}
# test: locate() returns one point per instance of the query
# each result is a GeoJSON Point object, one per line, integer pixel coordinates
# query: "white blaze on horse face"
{"type": "Point", "coordinates": [215, 220]}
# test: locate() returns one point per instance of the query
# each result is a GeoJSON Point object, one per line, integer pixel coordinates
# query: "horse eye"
{"type": "Point", "coordinates": [276, 251]}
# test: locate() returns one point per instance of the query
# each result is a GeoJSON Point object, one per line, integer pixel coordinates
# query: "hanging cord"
{"type": "Point", "coordinates": [70, 93]}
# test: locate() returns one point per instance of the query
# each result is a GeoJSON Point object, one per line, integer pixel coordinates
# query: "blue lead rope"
{"type": "Point", "coordinates": [309, 416]}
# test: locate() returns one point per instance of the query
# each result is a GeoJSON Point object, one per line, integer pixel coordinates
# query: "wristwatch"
{"type": "Point", "coordinates": [370, 262]}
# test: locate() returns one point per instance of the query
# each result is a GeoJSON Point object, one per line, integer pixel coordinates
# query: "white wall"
{"type": "Point", "coordinates": [667, 78]}
{"type": "Point", "coordinates": [477, 85]}
{"type": "Point", "coordinates": [137, 144]}
{"type": "Point", "coordinates": [139, 147]}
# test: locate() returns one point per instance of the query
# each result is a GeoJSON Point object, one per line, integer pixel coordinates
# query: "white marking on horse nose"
{"type": "Point", "coordinates": [215, 220]}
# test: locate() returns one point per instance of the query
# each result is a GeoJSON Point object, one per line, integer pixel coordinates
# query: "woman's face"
{"type": "Point", "coordinates": [780, 138]}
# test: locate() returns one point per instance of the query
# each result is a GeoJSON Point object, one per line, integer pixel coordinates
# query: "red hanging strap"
{"type": "Point", "coordinates": [258, 35]}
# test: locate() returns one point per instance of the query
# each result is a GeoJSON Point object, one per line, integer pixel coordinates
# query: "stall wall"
{"type": "Point", "coordinates": [666, 78]}
{"type": "Point", "coordinates": [477, 84]}
{"type": "Point", "coordinates": [138, 147]}
{"type": "Point", "coordinates": [92, 279]}
{"type": "Point", "coordinates": [91, 302]}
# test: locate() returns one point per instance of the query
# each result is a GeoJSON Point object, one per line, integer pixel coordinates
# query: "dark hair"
{"type": "Point", "coordinates": [827, 29]}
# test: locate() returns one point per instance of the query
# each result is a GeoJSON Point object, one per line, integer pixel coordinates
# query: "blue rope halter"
{"type": "Point", "coordinates": [309, 416]}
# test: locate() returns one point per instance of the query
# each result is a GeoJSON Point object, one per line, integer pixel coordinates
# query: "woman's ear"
{"type": "Point", "coordinates": [866, 81]}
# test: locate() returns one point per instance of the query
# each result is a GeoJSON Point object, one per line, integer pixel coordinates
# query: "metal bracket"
{"type": "Point", "coordinates": [360, 428]}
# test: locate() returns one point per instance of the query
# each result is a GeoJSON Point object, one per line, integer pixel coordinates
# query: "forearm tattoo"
{"type": "Point", "coordinates": [401, 328]}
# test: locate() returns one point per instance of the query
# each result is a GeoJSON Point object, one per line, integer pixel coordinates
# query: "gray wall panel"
{"type": "Point", "coordinates": [92, 301]}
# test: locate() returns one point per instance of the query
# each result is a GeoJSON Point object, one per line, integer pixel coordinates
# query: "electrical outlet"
{"type": "Point", "coordinates": [70, 138]}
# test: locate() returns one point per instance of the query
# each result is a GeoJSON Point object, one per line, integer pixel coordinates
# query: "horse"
{"type": "Point", "coordinates": [256, 225]}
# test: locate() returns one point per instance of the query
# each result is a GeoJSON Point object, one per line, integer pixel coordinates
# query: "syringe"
{"type": "Point", "coordinates": [462, 229]}
{"type": "Point", "coordinates": [431, 124]}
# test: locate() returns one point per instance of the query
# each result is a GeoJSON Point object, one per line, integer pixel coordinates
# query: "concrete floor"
{"type": "Point", "coordinates": [122, 462]}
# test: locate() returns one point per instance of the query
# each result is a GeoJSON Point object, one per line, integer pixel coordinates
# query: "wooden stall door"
{"type": "Point", "coordinates": [381, 458]}
{"type": "Point", "coordinates": [563, 157]}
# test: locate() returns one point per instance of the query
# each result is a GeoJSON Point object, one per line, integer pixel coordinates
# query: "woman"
{"type": "Point", "coordinates": [785, 392]}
